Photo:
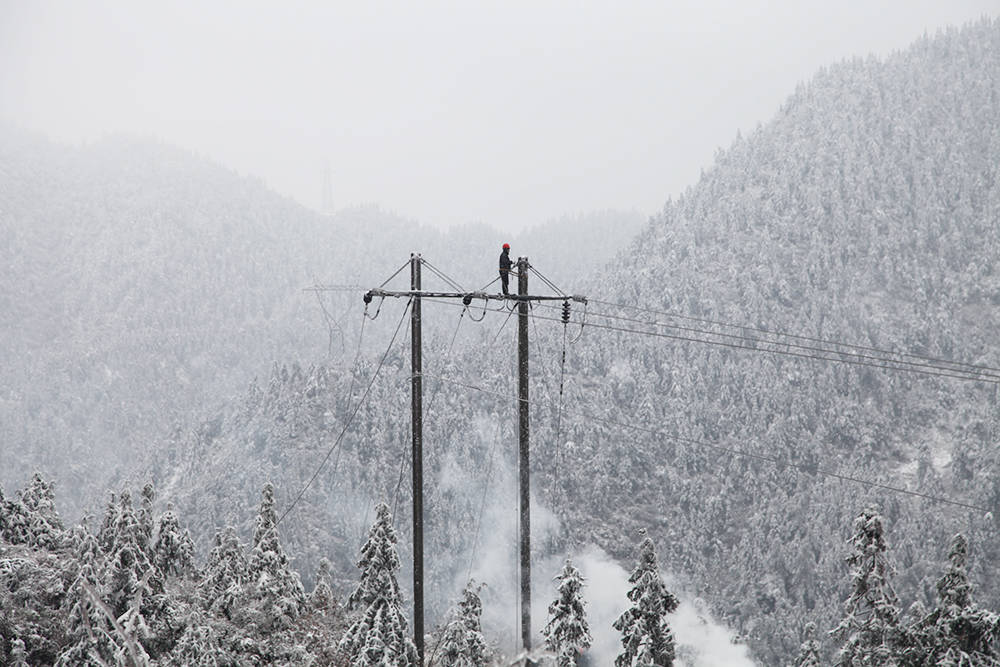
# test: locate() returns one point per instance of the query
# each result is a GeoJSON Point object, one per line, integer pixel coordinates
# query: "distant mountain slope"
{"type": "Point", "coordinates": [868, 212]}
{"type": "Point", "coordinates": [144, 286]}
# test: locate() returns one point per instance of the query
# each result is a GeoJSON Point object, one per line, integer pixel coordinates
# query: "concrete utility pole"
{"type": "Point", "coordinates": [523, 439]}
{"type": "Point", "coordinates": [418, 459]}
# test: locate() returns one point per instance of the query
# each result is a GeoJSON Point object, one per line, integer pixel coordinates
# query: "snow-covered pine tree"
{"type": "Point", "coordinates": [809, 651]}
{"type": "Point", "coordinates": [379, 636]}
{"type": "Point", "coordinates": [646, 636]}
{"type": "Point", "coordinates": [186, 554]}
{"type": "Point", "coordinates": [276, 594]}
{"type": "Point", "coordinates": [90, 634]}
{"type": "Point", "coordinates": [145, 519]}
{"type": "Point", "coordinates": [133, 632]}
{"type": "Point", "coordinates": [462, 644]}
{"type": "Point", "coordinates": [130, 570]}
{"type": "Point", "coordinates": [198, 646]}
{"type": "Point", "coordinates": [870, 626]}
{"type": "Point", "coordinates": [221, 587]}
{"type": "Point", "coordinates": [15, 524]}
{"type": "Point", "coordinates": [44, 526]}
{"type": "Point", "coordinates": [378, 554]}
{"type": "Point", "coordinates": [321, 599]}
{"type": "Point", "coordinates": [106, 533]}
{"type": "Point", "coordinates": [171, 553]}
{"type": "Point", "coordinates": [567, 633]}
{"type": "Point", "coordinates": [18, 653]}
{"type": "Point", "coordinates": [957, 633]}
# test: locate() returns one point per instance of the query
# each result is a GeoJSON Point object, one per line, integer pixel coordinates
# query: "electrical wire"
{"type": "Point", "coordinates": [968, 370]}
{"type": "Point", "coordinates": [866, 357]}
{"type": "Point", "coordinates": [440, 274]}
{"type": "Point", "coordinates": [398, 271]}
{"type": "Point", "coordinates": [330, 323]}
{"type": "Point", "coordinates": [889, 364]}
{"type": "Point", "coordinates": [350, 419]}
{"type": "Point", "coordinates": [403, 460]}
{"type": "Point", "coordinates": [813, 339]}
{"type": "Point", "coordinates": [545, 280]}
{"type": "Point", "coordinates": [734, 452]}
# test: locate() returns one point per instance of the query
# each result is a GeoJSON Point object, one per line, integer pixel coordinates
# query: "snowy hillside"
{"type": "Point", "coordinates": [734, 389]}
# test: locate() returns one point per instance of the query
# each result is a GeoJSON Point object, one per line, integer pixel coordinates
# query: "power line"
{"type": "Point", "coordinates": [888, 365]}
{"type": "Point", "coordinates": [905, 365]}
{"type": "Point", "coordinates": [962, 370]}
{"type": "Point", "coordinates": [729, 450]}
{"type": "Point", "coordinates": [545, 280]}
{"type": "Point", "coordinates": [350, 419]}
{"type": "Point", "coordinates": [813, 339]}
{"type": "Point", "coordinates": [440, 274]}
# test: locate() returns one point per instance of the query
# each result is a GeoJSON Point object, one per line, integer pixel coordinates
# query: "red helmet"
{"type": "Point", "coordinates": [506, 246]}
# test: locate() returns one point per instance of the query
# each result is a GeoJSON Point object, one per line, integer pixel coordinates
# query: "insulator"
{"type": "Point", "coordinates": [467, 299]}
{"type": "Point", "coordinates": [368, 297]}
{"type": "Point", "coordinates": [565, 313]}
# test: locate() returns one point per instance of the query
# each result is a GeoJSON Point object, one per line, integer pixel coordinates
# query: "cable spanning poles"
{"type": "Point", "coordinates": [522, 299]}
{"type": "Point", "coordinates": [669, 331]}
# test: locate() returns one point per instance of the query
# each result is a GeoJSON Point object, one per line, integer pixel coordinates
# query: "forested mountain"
{"type": "Point", "coordinates": [143, 287]}
{"type": "Point", "coordinates": [866, 212]}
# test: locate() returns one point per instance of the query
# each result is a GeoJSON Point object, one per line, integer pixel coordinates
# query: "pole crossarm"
{"type": "Point", "coordinates": [485, 296]}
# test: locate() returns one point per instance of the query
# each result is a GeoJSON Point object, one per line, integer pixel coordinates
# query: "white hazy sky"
{"type": "Point", "coordinates": [509, 113]}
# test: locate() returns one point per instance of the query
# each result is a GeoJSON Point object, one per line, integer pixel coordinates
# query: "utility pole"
{"type": "Point", "coordinates": [523, 299]}
{"type": "Point", "coordinates": [523, 439]}
{"type": "Point", "coordinates": [417, 423]}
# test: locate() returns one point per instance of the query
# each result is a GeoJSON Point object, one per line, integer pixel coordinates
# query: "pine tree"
{"type": "Point", "coordinates": [870, 625]}
{"type": "Point", "coordinates": [377, 555]}
{"type": "Point", "coordinates": [221, 588]}
{"type": "Point", "coordinates": [131, 571]}
{"type": "Point", "coordinates": [91, 636]}
{"type": "Point", "coordinates": [957, 633]}
{"type": "Point", "coordinates": [809, 651]}
{"type": "Point", "coordinates": [171, 553]}
{"type": "Point", "coordinates": [15, 523]}
{"type": "Point", "coordinates": [646, 636]}
{"type": "Point", "coordinates": [145, 519]}
{"type": "Point", "coordinates": [379, 636]}
{"type": "Point", "coordinates": [18, 653]}
{"type": "Point", "coordinates": [276, 593]}
{"type": "Point", "coordinates": [33, 518]}
{"type": "Point", "coordinates": [462, 644]}
{"type": "Point", "coordinates": [106, 533]}
{"type": "Point", "coordinates": [567, 633]}
{"type": "Point", "coordinates": [198, 646]}
{"type": "Point", "coordinates": [322, 599]}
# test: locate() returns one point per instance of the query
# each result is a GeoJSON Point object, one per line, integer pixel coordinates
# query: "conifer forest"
{"type": "Point", "coordinates": [771, 435]}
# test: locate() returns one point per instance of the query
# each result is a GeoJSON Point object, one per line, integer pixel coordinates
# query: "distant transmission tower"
{"type": "Point", "coordinates": [326, 205]}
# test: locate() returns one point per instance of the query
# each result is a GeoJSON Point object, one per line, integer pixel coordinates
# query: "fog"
{"type": "Point", "coordinates": [507, 113]}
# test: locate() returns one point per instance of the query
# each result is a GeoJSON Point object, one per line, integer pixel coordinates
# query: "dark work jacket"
{"type": "Point", "coordinates": [505, 262]}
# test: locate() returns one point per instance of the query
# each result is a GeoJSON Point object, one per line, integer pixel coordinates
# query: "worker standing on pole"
{"type": "Point", "coordinates": [505, 265]}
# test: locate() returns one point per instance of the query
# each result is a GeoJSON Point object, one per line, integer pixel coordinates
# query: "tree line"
{"type": "Point", "coordinates": [129, 592]}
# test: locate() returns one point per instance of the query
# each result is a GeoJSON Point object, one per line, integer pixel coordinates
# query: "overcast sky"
{"type": "Point", "coordinates": [509, 113]}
